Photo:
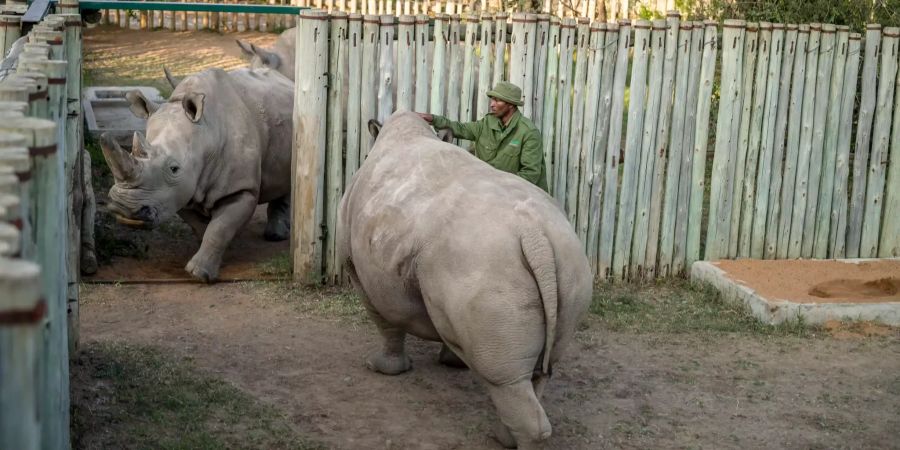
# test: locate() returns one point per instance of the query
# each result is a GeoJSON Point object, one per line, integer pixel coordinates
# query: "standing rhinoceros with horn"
{"type": "Point", "coordinates": [445, 247]}
{"type": "Point", "coordinates": [218, 147]}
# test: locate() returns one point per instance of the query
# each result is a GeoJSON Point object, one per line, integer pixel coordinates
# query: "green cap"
{"type": "Point", "coordinates": [507, 92]}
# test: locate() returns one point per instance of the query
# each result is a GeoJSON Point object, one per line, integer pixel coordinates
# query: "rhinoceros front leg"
{"type": "Point", "coordinates": [228, 216]}
{"type": "Point", "coordinates": [278, 224]}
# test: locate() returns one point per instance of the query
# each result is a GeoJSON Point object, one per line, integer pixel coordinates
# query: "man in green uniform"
{"type": "Point", "coordinates": [505, 138]}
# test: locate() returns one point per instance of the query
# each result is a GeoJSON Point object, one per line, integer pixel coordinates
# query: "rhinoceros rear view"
{"type": "Point", "coordinates": [218, 147]}
{"type": "Point", "coordinates": [445, 247]}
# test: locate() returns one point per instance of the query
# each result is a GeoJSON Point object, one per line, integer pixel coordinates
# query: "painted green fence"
{"type": "Point", "coordinates": [649, 178]}
{"type": "Point", "coordinates": [40, 172]}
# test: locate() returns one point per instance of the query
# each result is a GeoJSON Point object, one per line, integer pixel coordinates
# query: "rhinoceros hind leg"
{"type": "Point", "coordinates": [448, 358]}
{"type": "Point", "coordinates": [278, 224]}
{"type": "Point", "coordinates": [520, 412]}
{"type": "Point", "coordinates": [392, 358]}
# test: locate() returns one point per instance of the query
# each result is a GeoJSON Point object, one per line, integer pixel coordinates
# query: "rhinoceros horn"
{"type": "Point", "coordinates": [124, 165]}
{"type": "Point", "coordinates": [171, 78]}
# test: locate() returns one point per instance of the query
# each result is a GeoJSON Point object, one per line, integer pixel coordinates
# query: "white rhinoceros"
{"type": "Point", "coordinates": [279, 57]}
{"type": "Point", "coordinates": [219, 146]}
{"type": "Point", "coordinates": [444, 247]}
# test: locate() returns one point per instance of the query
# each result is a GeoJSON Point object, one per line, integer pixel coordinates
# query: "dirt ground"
{"type": "Point", "coordinates": [616, 389]}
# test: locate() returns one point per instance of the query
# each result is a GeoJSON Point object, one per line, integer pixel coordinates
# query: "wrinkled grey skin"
{"type": "Point", "coordinates": [279, 57]}
{"type": "Point", "coordinates": [444, 247]}
{"type": "Point", "coordinates": [219, 146]}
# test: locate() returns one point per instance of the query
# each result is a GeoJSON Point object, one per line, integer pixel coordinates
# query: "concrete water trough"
{"type": "Point", "coordinates": [815, 291]}
{"type": "Point", "coordinates": [106, 109]}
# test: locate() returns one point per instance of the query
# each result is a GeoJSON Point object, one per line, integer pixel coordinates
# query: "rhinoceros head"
{"type": "Point", "coordinates": [160, 174]}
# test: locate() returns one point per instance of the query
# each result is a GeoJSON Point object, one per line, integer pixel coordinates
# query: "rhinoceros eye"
{"type": "Point", "coordinates": [174, 170]}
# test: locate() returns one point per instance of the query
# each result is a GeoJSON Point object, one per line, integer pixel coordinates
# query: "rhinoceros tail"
{"type": "Point", "coordinates": [541, 259]}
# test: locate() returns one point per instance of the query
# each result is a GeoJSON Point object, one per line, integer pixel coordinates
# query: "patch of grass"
{"type": "Point", "coordinates": [128, 396]}
{"type": "Point", "coordinates": [678, 306]}
{"type": "Point", "coordinates": [339, 303]}
{"type": "Point", "coordinates": [279, 266]}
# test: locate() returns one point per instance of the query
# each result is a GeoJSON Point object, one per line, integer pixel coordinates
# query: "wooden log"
{"type": "Point", "coordinates": [822, 217]}
{"type": "Point", "coordinates": [551, 98]}
{"type": "Point", "coordinates": [889, 245]}
{"type": "Point", "coordinates": [824, 66]}
{"type": "Point", "coordinates": [518, 51]}
{"type": "Point", "coordinates": [368, 103]}
{"type": "Point", "coordinates": [878, 161]}
{"type": "Point", "coordinates": [10, 26]}
{"type": "Point", "coordinates": [406, 49]}
{"type": "Point", "coordinates": [839, 206]}
{"type": "Point", "coordinates": [354, 95]}
{"type": "Point", "coordinates": [676, 155]}
{"type": "Point", "coordinates": [485, 66]}
{"type": "Point", "coordinates": [423, 72]}
{"type": "Point", "coordinates": [861, 151]}
{"type": "Point", "coordinates": [747, 199]}
{"type": "Point", "coordinates": [661, 146]}
{"type": "Point", "coordinates": [387, 28]}
{"type": "Point", "coordinates": [679, 258]}
{"type": "Point", "coordinates": [737, 167]}
{"type": "Point", "coordinates": [767, 143]}
{"type": "Point", "coordinates": [636, 105]}
{"type": "Point", "coordinates": [467, 101]}
{"type": "Point", "coordinates": [773, 210]}
{"type": "Point", "coordinates": [647, 156]}
{"type": "Point", "coordinates": [801, 188]}
{"type": "Point", "coordinates": [454, 80]}
{"type": "Point", "coordinates": [601, 140]}
{"type": "Point", "coordinates": [792, 150]}
{"type": "Point", "coordinates": [579, 81]}
{"type": "Point", "coordinates": [591, 104]}
{"type": "Point", "coordinates": [308, 161]}
{"type": "Point", "coordinates": [528, 85]}
{"type": "Point", "coordinates": [727, 127]}
{"type": "Point", "coordinates": [19, 342]}
{"type": "Point", "coordinates": [613, 150]}
{"type": "Point", "coordinates": [500, 44]}
{"type": "Point", "coordinates": [439, 64]}
{"type": "Point", "coordinates": [541, 53]}
{"type": "Point", "coordinates": [563, 109]}
{"type": "Point", "coordinates": [334, 156]}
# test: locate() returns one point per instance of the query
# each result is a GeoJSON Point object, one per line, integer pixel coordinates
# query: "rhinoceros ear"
{"type": "Point", "coordinates": [171, 79]}
{"type": "Point", "coordinates": [246, 47]}
{"type": "Point", "coordinates": [140, 105]}
{"type": "Point", "coordinates": [374, 128]}
{"type": "Point", "coordinates": [269, 59]}
{"type": "Point", "coordinates": [446, 135]}
{"type": "Point", "coordinates": [193, 106]}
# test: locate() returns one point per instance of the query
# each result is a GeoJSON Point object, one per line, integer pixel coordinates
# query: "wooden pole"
{"type": "Point", "coordinates": [727, 127]}
{"type": "Point", "coordinates": [334, 158]}
{"type": "Point", "coordinates": [354, 94]}
{"type": "Point", "coordinates": [308, 161]}
{"type": "Point", "coordinates": [439, 64]}
{"type": "Point", "coordinates": [764, 177]}
{"type": "Point", "coordinates": [773, 213]}
{"type": "Point", "coordinates": [386, 67]}
{"type": "Point", "coordinates": [838, 236]}
{"type": "Point", "coordinates": [889, 245]}
{"type": "Point", "coordinates": [541, 53]}
{"type": "Point", "coordinates": [467, 101]}
{"type": "Point", "coordinates": [878, 161]}
{"type": "Point", "coordinates": [551, 94]}
{"type": "Point", "coordinates": [368, 104]}
{"type": "Point", "coordinates": [406, 48]}
{"type": "Point", "coordinates": [601, 140]}
{"type": "Point", "coordinates": [500, 42]}
{"type": "Point", "coordinates": [611, 179]}
{"type": "Point", "coordinates": [647, 150]}
{"type": "Point", "coordinates": [837, 48]}
{"type": "Point", "coordinates": [737, 166]}
{"type": "Point", "coordinates": [864, 122]}
{"type": "Point", "coordinates": [573, 144]}
{"type": "Point", "coordinates": [484, 66]}
{"type": "Point", "coordinates": [563, 109]}
{"type": "Point", "coordinates": [454, 81]}
{"type": "Point", "coordinates": [20, 338]}
{"type": "Point", "coordinates": [587, 164]}
{"type": "Point", "coordinates": [636, 105]}
{"type": "Point", "coordinates": [423, 73]}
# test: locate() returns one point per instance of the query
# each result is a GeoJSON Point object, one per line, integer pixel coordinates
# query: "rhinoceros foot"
{"type": "Point", "coordinates": [278, 223]}
{"type": "Point", "coordinates": [448, 358]}
{"type": "Point", "coordinates": [88, 261]}
{"type": "Point", "coordinates": [388, 364]}
{"type": "Point", "coordinates": [203, 268]}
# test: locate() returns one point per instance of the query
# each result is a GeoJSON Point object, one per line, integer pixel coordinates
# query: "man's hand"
{"type": "Point", "coordinates": [426, 117]}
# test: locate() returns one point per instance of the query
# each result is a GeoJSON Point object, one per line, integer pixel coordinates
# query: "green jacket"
{"type": "Point", "coordinates": [517, 148]}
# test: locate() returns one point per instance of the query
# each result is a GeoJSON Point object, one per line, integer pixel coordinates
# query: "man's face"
{"type": "Point", "coordinates": [499, 108]}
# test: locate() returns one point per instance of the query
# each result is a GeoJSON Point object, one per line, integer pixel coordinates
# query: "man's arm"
{"type": "Point", "coordinates": [531, 157]}
{"type": "Point", "coordinates": [468, 131]}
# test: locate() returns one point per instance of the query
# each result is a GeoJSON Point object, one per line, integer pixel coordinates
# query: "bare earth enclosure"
{"type": "Point", "coordinates": [636, 377]}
